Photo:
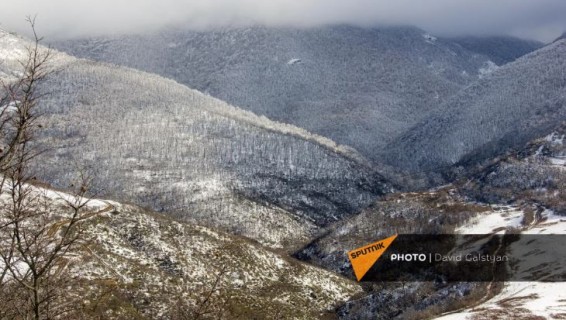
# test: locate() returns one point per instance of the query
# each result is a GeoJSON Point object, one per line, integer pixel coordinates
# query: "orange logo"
{"type": "Point", "coordinates": [364, 258]}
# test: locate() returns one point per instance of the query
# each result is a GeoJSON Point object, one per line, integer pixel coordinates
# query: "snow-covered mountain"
{"type": "Point", "coordinates": [248, 189]}
{"type": "Point", "coordinates": [157, 143]}
{"type": "Point", "coordinates": [360, 87]}
{"type": "Point", "coordinates": [505, 109]}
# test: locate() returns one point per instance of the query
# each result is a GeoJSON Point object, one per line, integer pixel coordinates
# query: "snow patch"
{"type": "Point", "coordinates": [558, 161]}
{"type": "Point", "coordinates": [555, 138]}
{"type": "Point", "coordinates": [539, 298]}
{"type": "Point", "coordinates": [294, 61]}
{"type": "Point", "coordinates": [495, 222]}
{"type": "Point", "coordinates": [429, 38]}
{"type": "Point", "coordinates": [529, 299]}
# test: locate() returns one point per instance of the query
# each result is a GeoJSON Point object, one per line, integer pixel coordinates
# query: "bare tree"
{"type": "Point", "coordinates": [209, 305]}
{"type": "Point", "coordinates": [38, 237]}
{"type": "Point", "coordinates": [18, 114]}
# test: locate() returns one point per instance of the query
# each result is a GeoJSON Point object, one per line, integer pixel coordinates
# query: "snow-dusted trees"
{"type": "Point", "coordinates": [162, 145]}
{"type": "Point", "coordinates": [37, 239]}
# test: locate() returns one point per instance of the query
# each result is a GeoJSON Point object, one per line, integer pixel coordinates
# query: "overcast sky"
{"type": "Point", "coordinates": [539, 19]}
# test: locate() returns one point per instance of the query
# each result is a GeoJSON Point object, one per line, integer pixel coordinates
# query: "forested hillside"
{"type": "Point", "coordinates": [360, 87]}
{"type": "Point", "coordinates": [154, 142]}
{"type": "Point", "coordinates": [500, 50]}
{"type": "Point", "coordinates": [507, 108]}
{"type": "Point", "coordinates": [261, 214]}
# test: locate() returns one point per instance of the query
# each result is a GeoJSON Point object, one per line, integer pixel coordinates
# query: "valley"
{"type": "Point", "coordinates": [233, 169]}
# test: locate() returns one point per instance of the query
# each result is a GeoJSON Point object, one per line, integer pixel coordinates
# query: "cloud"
{"type": "Point", "coordinates": [540, 19]}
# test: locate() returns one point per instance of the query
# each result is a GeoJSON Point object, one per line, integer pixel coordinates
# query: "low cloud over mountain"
{"type": "Point", "coordinates": [539, 19]}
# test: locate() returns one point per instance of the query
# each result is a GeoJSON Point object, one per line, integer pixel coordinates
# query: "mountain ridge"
{"type": "Point", "coordinates": [358, 86]}
{"type": "Point", "coordinates": [176, 150]}
{"type": "Point", "coordinates": [507, 108]}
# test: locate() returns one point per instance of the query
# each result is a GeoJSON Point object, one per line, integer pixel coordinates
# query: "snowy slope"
{"type": "Point", "coordinates": [155, 142]}
{"type": "Point", "coordinates": [507, 108]}
{"type": "Point", "coordinates": [358, 86]}
{"type": "Point", "coordinates": [521, 300]}
{"type": "Point", "coordinates": [149, 262]}
{"type": "Point", "coordinates": [530, 179]}
{"type": "Point", "coordinates": [495, 221]}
